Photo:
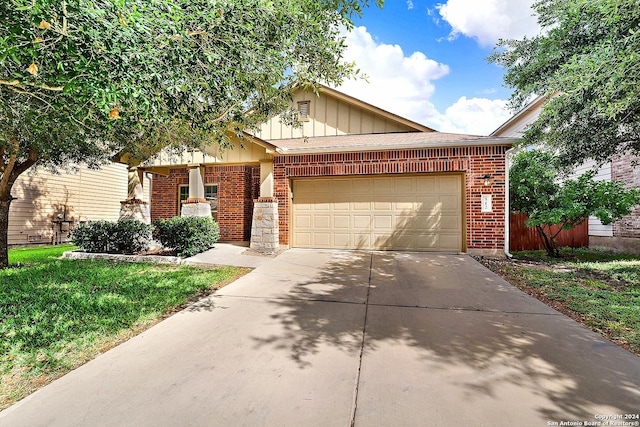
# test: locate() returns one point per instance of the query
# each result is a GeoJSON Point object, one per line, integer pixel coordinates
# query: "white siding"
{"type": "Point", "coordinates": [84, 195]}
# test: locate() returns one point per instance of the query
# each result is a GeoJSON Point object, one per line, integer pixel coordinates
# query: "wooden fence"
{"type": "Point", "coordinates": [523, 238]}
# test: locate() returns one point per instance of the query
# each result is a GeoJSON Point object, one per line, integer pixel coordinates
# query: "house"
{"type": "Point", "coordinates": [622, 235]}
{"type": "Point", "coordinates": [353, 176]}
{"type": "Point", "coordinates": [49, 205]}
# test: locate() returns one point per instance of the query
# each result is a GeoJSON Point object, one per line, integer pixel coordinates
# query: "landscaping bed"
{"type": "Point", "coordinates": [57, 314]}
{"type": "Point", "coordinates": [599, 289]}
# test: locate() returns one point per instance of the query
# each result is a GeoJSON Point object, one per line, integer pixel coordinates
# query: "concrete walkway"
{"type": "Point", "coordinates": [331, 338]}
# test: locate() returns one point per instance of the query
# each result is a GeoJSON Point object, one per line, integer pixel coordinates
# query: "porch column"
{"type": "Point", "coordinates": [265, 232]}
{"type": "Point", "coordinates": [196, 204]}
{"type": "Point", "coordinates": [266, 179]}
{"type": "Point", "coordinates": [135, 207]}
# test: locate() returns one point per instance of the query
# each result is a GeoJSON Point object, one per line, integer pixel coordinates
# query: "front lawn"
{"type": "Point", "coordinates": [599, 289]}
{"type": "Point", "coordinates": [56, 314]}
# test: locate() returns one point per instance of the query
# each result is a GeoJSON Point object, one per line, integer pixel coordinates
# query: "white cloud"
{"type": "Point", "coordinates": [404, 84]}
{"type": "Point", "coordinates": [489, 20]}
{"type": "Point", "coordinates": [474, 116]}
{"type": "Point", "coordinates": [396, 82]}
{"type": "Point", "coordinates": [409, 4]}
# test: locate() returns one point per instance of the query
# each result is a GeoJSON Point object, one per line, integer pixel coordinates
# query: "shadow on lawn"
{"type": "Point", "coordinates": [452, 313]}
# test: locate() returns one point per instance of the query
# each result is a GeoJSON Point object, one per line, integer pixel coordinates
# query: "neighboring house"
{"type": "Point", "coordinates": [48, 205]}
{"type": "Point", "coordinates": [352, 177]}
{"type": "Point", "coordinates": [623, 235]}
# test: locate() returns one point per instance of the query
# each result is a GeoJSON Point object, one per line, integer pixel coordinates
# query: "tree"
{"type": "Point", "coordinates": [83, 81]}
{"type": "Point", "coordinates": [536, 190]}
{"type": "Point", "coordinates": [586, 61]}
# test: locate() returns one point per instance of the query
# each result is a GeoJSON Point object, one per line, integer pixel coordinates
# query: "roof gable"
{"type": "Point", "coordinates": [332, 113]}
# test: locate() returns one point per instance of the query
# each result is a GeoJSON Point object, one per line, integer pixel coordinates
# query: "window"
{"type": "Point", "coordinates": [210, 195]}
{"type": "Point", "coordinates": [303, 110]}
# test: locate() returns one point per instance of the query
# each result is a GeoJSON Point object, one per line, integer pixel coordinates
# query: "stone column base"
{"type": "Point", "coordinates": [265, 232]}
{"type": "Point", "coordinates": [135, 209]}
{"type": "Point", "coordinates": [195, 209]}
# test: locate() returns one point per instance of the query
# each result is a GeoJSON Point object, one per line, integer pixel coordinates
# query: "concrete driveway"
{"type": "Point", "coordinates": [331, 338]}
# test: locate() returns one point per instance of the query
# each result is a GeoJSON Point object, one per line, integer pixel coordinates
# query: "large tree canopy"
{"type": "Point", "coordinates": [83, 80]}
{"type": "Point", "coordinates": [587, 63]}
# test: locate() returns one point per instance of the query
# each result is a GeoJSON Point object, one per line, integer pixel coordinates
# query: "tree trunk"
{"type": "Point", "coordinates": [548, 243]}
{"type": "Point", "coordinates": [4, 232]}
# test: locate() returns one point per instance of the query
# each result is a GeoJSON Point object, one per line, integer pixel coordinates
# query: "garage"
{"type": "Point", "coordinates": [408, 212]}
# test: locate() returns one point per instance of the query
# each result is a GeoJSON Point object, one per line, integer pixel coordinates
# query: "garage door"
{"type": "Point", "coordinates": [421, 213]}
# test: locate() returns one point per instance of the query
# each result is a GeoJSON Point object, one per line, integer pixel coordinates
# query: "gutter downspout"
{"type": "Point", "coordinates": [507, 205]}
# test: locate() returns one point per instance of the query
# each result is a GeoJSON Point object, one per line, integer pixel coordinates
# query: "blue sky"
{"type": "Point", "coordinates": [426, 60]}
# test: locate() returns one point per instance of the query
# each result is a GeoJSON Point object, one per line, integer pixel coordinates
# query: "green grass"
{"type": "Point", "coordinates": [600, 289]}
{"type": "Point", "coordinates": [37, 254]}
{"type": "Point", "coordinates": [56, 314]}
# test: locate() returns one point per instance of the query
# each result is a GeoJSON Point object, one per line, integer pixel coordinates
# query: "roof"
{"type": "Point", "coordinates": [384, 141]}
{"type": "Point", "coordinates": [535, 104]}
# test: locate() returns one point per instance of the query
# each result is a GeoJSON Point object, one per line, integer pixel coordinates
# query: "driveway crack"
{"type": "Point", "coordinates": [354, 406]}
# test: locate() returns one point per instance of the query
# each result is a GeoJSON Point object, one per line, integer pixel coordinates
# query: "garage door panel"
{"type": "Point", "coordinates": [449, 242]}
{"type": "Point", "coordinates": [302, 239]}
{"type": "Point", "coordinates": [341, 186]}
{"type": "Point", "coordinates": [404, 185]}
{"type": "Point", "coordinates": [382, 212]}
{"type": "Point", "coordinates": [302, 221]}
{"type": "Point", "coordinates": [322, 239]}
{"type": "Point", "coordinates": [322, 221]}
{"type": "Point", "coordinates": [449, 184]}
{"type": "Point", "coordinates": [342, 206]}
{"type": "Point", "coordinates": [383, 186]}
{"type": "Point", "coordinates": [404, 206]}
{"type": "Point", "coordinates": [383, 222]}
{"type": "Point", "coordinates": [450, 223]}
{"type": "Point", "coordinates": [450, 203]}
{"type": "Point", "coordinates": [361, 222]}
{"type": "Point", "coordinates": [426, 184]}
{"type": "Point", "coordinates": [341, 240]}
{"type": "Point", "coordinates": [382, 206]}
{"type": "Point", "coordinates": [342, 222]}
{"type": "Point", "coordinates": [362, 206]}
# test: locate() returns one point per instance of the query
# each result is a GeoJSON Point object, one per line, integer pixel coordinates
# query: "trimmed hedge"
{"type": "Point", "coordinates": [188, 236]}
{"type": "Point", "coordinates": [122, 237]}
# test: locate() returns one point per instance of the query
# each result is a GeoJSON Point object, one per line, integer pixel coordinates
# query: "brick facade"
{"type": "Point", "coordinates": [484, 231]}
{"type": "Point", "coordinates": [238, 186]}
{"type": "Point", "coordinates": [622, 170]}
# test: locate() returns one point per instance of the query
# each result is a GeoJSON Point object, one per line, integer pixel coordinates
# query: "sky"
{"type": "Point", "coordinates": [426, 60]}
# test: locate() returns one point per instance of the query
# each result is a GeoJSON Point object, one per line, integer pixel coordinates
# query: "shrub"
{"type": "Point", "coordinates": [124, 236]}
{"type": "Point", "coordinates": [188, 236]}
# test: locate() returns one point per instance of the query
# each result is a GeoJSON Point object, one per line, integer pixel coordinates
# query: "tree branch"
{"type": "Point", "coordinates": [21, 85]}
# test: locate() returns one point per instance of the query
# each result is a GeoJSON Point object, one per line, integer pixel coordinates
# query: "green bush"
{"type": "Point", "coordinates": [188, 236]}
{"type": "Point", "coordinates": [123, 237]}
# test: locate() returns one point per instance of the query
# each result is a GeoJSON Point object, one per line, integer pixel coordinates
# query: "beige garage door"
{"type": "Point", "coordinates": [421, 213]}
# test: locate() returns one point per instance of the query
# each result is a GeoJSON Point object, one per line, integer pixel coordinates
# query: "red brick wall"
{"type": "Point", "coordinates": [238, 186]}
{"type": "Point", "coordinates": [236, 192]}
{"type": "Point", "coordinates": [623, 170]}
{"type": "Point", "coordinates": [483, 230]}
{"type": "Point", "coordinates": [164, 193]}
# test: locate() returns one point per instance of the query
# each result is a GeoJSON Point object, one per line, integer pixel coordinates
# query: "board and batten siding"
{"type": "Point", "coordinates": [83, 195]}
{"type": "Point", "coordinates": [329, 116]}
